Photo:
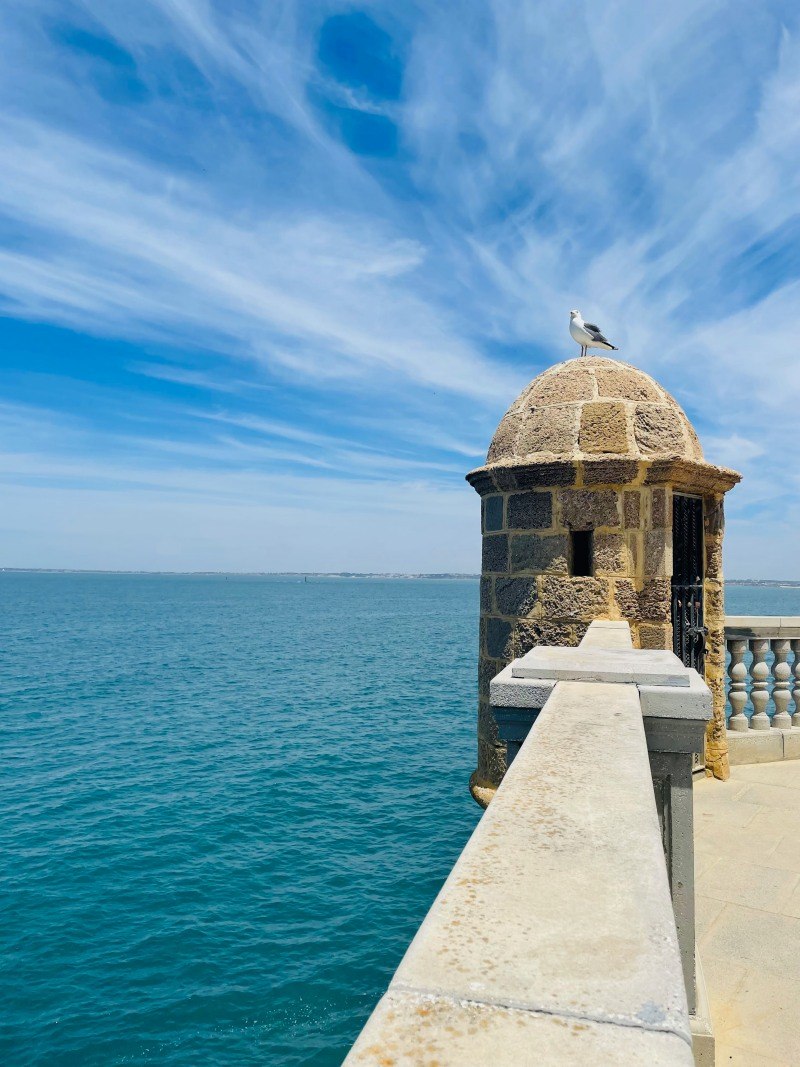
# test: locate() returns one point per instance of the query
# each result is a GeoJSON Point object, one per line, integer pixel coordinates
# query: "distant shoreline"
{"type": "Point", "coordinates": [239, 574]}
{"type": "Point", "coordinates": [771, 583]}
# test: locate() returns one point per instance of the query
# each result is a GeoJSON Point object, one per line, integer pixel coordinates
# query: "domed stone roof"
{"type": "Point", "coordinates": [592, 407]}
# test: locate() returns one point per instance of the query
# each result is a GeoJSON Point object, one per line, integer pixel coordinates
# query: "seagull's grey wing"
{"type": "Point", "coordinates": [595, 332]}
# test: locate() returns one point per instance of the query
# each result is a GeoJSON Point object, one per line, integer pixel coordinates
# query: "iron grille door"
{"type": "Point", "coordinates": [688, 629]}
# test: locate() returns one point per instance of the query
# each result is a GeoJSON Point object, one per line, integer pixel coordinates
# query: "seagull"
{"type": "Point", "coordinates": [587, 334]}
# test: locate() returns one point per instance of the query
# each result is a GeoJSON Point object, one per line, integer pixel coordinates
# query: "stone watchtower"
{"type": "Point", "coordinates": [597, 503]}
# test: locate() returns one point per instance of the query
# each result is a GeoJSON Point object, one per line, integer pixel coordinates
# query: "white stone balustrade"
{"type": "Point", "coordinates": [763, 687]}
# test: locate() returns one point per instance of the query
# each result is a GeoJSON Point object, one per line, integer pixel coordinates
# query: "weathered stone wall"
{"type": "Point", "coordinates": [592, 443]}
{"type": "Point", "coordinates": [527, 594]}
{"type": "Point", "coordinates": [528, 598]}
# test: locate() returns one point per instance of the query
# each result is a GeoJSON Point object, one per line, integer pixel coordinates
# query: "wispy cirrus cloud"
{"type": "Point", "coordinates": [341, 238]}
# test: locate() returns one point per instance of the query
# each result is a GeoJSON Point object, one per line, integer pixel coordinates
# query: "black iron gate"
{"type": "Point", "coordinates": [688, 630]}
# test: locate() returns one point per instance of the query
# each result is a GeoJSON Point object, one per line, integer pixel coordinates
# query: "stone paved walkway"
{"type": "Point", "coordinates": [747, 849]}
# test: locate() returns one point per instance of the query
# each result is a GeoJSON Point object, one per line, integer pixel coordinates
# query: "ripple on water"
{"type": "Point", "coordinates": [227, 805]}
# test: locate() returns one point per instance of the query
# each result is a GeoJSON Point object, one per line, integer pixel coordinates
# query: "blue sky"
{"type": "Point", "coordinates": [270, 273]}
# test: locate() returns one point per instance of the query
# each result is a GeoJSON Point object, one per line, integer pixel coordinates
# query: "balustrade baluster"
{"type": "Point", "coordinates": [781, 672]}
{"type": "Point", "coordinates": [796, 688]}
{"type": "Point", "coordinates": [737, 672]}
{"type": "Point", "coordinates": [759, 673]}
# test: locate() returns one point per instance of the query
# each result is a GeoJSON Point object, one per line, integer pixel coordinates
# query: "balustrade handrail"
{"type": "Point", "coordinates": [762, 626]}
{"type": "Point", "coordinates": [760, 676]}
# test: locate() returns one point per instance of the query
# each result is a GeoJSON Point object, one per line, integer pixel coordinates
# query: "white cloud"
{"type": "Point", "coordinates": [377, 317]}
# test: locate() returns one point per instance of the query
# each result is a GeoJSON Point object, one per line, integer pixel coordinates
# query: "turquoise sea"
{"type": "Point", "coordinates": [227, 803]}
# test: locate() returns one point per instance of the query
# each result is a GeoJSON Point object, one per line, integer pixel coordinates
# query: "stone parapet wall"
{"type": "Point", "coordinates": [554, 938]}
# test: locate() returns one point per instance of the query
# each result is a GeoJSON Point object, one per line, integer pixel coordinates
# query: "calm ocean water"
{"type": "Point", "coordinates": [227, 803]}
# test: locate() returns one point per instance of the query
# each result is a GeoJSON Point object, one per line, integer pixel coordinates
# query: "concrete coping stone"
{"type": "Point", "coordinates": [594, 664]}
{"type": "Point", "coordinates": [557, 911]}
{"type": "Point", "coordinates": [607, 634]}
{"type": "Point", "coordinates": [410, 1029]}
{"type": "Point", "coordinates": [506, 691]}
{"type": "Point", "coordinates": [677, 702]}
{"type": "Point", "coordinates": [765, 626]}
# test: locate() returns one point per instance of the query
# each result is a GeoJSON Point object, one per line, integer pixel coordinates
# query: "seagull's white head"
{"type": "Point", "coordinates": [574, 314]}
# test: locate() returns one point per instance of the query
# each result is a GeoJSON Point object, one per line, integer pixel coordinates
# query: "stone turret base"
{"type": "Point", "coordinates": [482, 794]}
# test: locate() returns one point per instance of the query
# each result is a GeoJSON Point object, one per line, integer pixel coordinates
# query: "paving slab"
{"type": "Point", "coordinates": [772, 796]}
{"type": "Point", "coordinates": [785, 853]}
{"type": "Point", "coordinates": [739, 881]}
{"type": "Point", "coordinates": [750, 947]}
{"type": "Point", "coordinates": [731, 1056]}
{"type": "Point", "coordinates": [761, 1017]}
{"type": "Point", "coordinates": [707, 911]}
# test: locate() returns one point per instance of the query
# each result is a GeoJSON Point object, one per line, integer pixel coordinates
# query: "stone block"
{"type": "Point", "coordinates": [714, 557]}
{"type": "Point", "coordinates": [714, 597]}
{"type": "Point", "coordinates": [492, 513]}
{"type": "Point", "coordinates": [540, 553]}
{"type": "Point", "coordinates": [515, 596]}
{"type": "Point", "coordinates": [655, 599]}
{"type": "Point", "coordinates": [714, 516]}
{"type": "Point", "coordinates": [574, 598]}
{"type": "Point", "coordinates": [491, 762]}
{"type": "Point", "coordinates": [498, 634]}
{"type": "Point", "coordinates": [487, 669]}
{"type": "Point", "coordinates": [495, 552]}
{"type": "Point", "coordinates": [610, 554]}
{"type": "Point", "coordinates": [632, 509]}
{"type": "Point", "coordinates": [622, 384]}
{"type": "Point", "coordinates": [791, 743]}
{"type": "Point", "coordinates": [486, 595]}
{"type": "Point", "coordinates": [536, 475]}
{"type": "Point", "coordinates": [633, 541]}
{"type": "Point", "coordinates": [610, 471]}
{"type": "Point", "coordinates": [754, 746]}
{"type": "Point", "coordinates": [655, 635]}
{"type": "Point", "coordinates": [530, 511]}
{"type": "Point", "coordinates": [586, 509]}
{"type": "Point", "coordinates": [660, 512]}
{"type": "Point", "coordinates": [528, 633]}
{"type": "Point", "coordinates": [505, 437]}
{"type": "Point", "coordinates": [715, 639]}
{"type": "Point", "coordinates": [658, 430]}
{"type": "Point", "coordinates": [561, 388]}
{"type": "Point", "coordinates": [487, 724]}
{"type": "Point", "coordinates": [549, 429]}
{"type": "Point", "coordinates": [651, 602]}
{"type": "Point", "coordinates": [626, 596]}
{"type": "Point", "coordinates": [658, 553]}
{"type": "Point", "coordinates": [604, 427]}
